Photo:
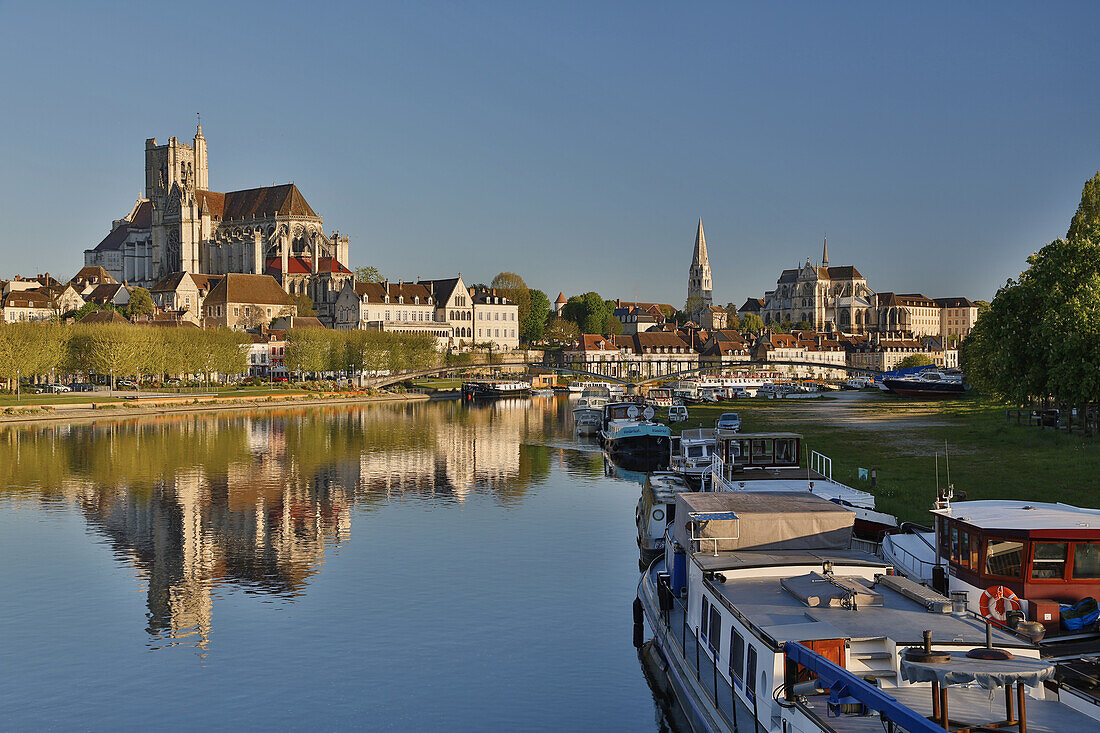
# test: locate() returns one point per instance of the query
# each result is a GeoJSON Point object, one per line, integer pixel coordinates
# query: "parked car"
{"type": "Point", "coordinates": [173, 383]}
{"type": "Point", "coordinates": [126, 384]}
{"type": "Point", "coordinates": [81, 387]}
{"type": "Point", "coordinates": [58, 388]}
{"type": "Point", "coordinates": [730, 421]}
{"type": "Point", "coordinates": [283, 378]}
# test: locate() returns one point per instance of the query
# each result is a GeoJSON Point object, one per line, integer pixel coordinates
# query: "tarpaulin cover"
{"type": "Point", "coordinates": [989, 673]}
{"type": "Point", "coordinates": [779, 520]}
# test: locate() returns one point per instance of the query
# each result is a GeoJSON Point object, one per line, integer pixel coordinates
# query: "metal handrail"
{"type": "Point", "coordinates": [920, 563]}
{"type": "Point", "coordinates": [822, 464]}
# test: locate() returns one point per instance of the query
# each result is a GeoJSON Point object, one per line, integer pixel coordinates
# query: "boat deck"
{"type": "Point", "coordinates": [969, 705]}
{"type": "Point", "coordinates": [783, 617]}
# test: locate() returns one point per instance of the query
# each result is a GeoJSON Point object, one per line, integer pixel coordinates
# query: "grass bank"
{"type": "Point", "coordinates": [990, 459]}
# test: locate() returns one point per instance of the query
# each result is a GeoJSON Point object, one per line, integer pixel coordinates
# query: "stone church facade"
{"type": "Point", "coordinates": [180, 225]}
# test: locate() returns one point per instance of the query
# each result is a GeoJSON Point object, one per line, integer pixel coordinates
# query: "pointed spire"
{"type": "Point", "coordinates": [825, 252]}
{"type": "Point", "coordinates": [700, 256]}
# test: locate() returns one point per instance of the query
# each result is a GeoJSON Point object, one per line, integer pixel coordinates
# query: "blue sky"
{"type": "Point", "coordinates": [574, 143]}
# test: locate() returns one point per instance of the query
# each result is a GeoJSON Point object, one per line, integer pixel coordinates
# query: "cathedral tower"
{"type": "Point", "coordinates": [699, 284]}
{"type": "Point", "coordinates": [202, 171]}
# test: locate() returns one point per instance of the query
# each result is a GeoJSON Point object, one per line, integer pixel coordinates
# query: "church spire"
{"type": "Point", "coordinates": [825, 252]}
{"type": "Point", "coordinates": [700, 257]}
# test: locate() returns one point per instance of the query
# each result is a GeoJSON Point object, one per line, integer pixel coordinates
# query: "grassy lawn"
{"type": "Point", "coordinates": [121, 395]}
{"type": "Point", "coordinates": [8, 400]}
{"type": "Point", "coordinates": [437, 383]}
{"type": "Point", "coordinates": [990, 459]}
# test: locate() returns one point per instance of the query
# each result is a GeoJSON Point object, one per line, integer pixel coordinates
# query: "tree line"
{"type": "Point", "coordinates": [117, 350]}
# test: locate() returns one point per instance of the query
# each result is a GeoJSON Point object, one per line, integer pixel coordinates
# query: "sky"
{"type": "Point", "coordinates": [577, 144]}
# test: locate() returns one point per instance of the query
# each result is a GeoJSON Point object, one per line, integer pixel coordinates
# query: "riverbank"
{"type": "Point", "coordinates": [126, 409]}
{"type": "Point", "coordinates": [900, 438]}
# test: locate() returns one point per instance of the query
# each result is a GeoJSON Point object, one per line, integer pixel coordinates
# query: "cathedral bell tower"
{"type": "Point", "coordinates": [699, 285]}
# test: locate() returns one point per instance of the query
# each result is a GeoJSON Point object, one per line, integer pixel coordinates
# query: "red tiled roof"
{"type": "Point", "coordinates": [256, 203]}
{"type": "Point", "coordinates": [302, 266]}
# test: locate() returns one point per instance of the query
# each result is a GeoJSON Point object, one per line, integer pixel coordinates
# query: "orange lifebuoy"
{"type": "Point", "coordinates": [997, 601]}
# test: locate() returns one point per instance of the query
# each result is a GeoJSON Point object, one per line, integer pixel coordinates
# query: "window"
{"type": "Point", "coordinates": [704, 617]}
{"type": "Point", "coordinates": [1086, 560]}
{"type": "Point", "coordinates": [1004, 557]}
{"type": "Point", "coordinates": [737, 654]}
{"type": "Point", "coordinates": [750, 674]}
{"type": "Point", "coordinates": [1050, 560]}
{"type": "Point", "coordinates": [715, 629]}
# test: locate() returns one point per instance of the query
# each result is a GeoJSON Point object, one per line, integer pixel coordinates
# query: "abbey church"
{"type": "Point", "coordinates": [180, 225]}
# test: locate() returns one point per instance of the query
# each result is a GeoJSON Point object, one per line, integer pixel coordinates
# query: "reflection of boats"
{"type": "Point", "coordinates": [588, 412]}
{"type": "Point", "coordinates": [542, 392]}
{"type": "Point", "coordinates": [656, 509]}
{"type": "Point", "coordinates": [691, 454]}
{"type": "Point", "coordinates": [629, 432]}
{"type": "Point", "coordinates": [765, 618]}
{"type": "Point", "coordinates": [495, 388]}
{"type": "Point", "coordinates": [932, 383]}
{"type": "Point", "coordinates": [772, 462]}
{"type": "Point", "coordinates": [575, 387]}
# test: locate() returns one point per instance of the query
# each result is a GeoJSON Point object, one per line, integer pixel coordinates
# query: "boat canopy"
{"type": "Point", "coordinates": [760, 520]}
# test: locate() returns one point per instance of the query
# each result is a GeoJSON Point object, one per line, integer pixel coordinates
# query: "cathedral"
{"type": "Point", "coordinates": [180, 225]}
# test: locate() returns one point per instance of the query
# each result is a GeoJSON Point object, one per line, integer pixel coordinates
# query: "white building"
{"type": "Point", "coordinates": [496, 320]}
{"type": "Point", "coordinates": [392, 307]}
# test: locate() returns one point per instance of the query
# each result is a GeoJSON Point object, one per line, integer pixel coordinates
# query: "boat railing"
{"type": "Point", "coordinates": [914, 562]}
{"type": "Point", "coordinates": [822, 464]}
{"type": "Point", "coordinates": [867, 546]}
{"type": "Point", "coordinates": [717, 471]}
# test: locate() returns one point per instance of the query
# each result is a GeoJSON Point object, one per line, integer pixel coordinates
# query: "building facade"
{"type": "Point", "coordinates": [244, 302]}
{"type": "Point", "coordinates": [496, 320]}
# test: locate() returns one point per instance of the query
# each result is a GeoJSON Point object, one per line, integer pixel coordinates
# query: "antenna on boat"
{"type": "Point", "coordinates": [947, 464]}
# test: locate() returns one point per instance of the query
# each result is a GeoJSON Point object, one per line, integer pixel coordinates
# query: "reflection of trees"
{"type": "Point", "coordinates": [252, 499]}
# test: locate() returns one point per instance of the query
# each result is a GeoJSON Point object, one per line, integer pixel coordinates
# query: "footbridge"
{"type": "Point", "coordinates": [547, 360]}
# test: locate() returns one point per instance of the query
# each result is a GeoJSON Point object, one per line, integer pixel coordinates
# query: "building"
{"type": "Point", "coordinates": [725, 347]}
{"type": "Point", "coordinates": [245, 302]}
{"type": "Point", "coordinates": [699, 282]}
{"type": "Point", "coordinates": [713, 317]}
{"type": "Point", "coordinates": [180, 225]}
{"type": "Point", "coordinates": [182, 293]}
{"type": "Point", "coordinates": [559, 304]}
{"type": "Point", "coordinates": [453, 306]}
{"type": "Point", "coordinates": [496, 320]}
{"type": "Point", "coordinates": [827, 298]}
{"type": "Point", "coordinates": [638, 317]}
{"type": "Point", "coordinates": [635, 357]}
{"type": "Point", "coordinates": [884, 351]}
{"type": "Point", "coordinates": [21, 306]}
{"type": "Point", "coordinates": [391, 307]}
{"type": "Point", "coordinates": [957, 317]}
{"type": "Point", "coordinates": [910, 312]}
{"type": "Point", "coordinates": [754, 306]}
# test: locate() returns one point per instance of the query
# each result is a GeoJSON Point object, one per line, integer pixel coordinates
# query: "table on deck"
{"type": "Point", "coordinates": [988, 674]}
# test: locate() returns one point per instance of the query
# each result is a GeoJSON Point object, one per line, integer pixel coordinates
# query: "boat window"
{"type": "Point", "coordinates": [761, 451]}
{"type": "Point", "coordinates": [750, 673]}
{"type": "Point", "coordinates": [784, 450]}
{"type": "Point", "coordinates": [1086, 560]}
{"type": "Point", "coordinates": [1050, 560]}
{"type": "Point", "coordinates": [975, 547]}
{"type": "Point", "coordinates": [1003, 557]}
{"type": "Point", "coordinates": [715, 629]}
{"type": "Point", "coordinates": [737, 654]}
{"type": "Point", "coordinates": [953, 534]}
{"type": "Point", "coordinates": [695, 451]}
{"type": "Point", "coordinates": [703, 618]}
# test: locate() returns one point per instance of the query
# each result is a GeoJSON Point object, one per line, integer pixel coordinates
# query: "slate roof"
{"type": "Point", "coordinates": [105, 293]}
{"type": "Point", "coordinates": [103, 316]}
{"type": "Point", "coordinates": [141, 218]}
{"type": "Point", "coordinates": [27, 299]}
{"type": "Point", "coordinates": [376, 292]}
{"type": "Point", "coordinates": [752, 305]}
{"type": "Point", "coordinates": [955, 303]}
{"type": "Point", "coordinates": [441, 290]}
{"type": "Point", "coordinates": [255, 203]}
{"type": "Point", "coordinates": [90, 273]}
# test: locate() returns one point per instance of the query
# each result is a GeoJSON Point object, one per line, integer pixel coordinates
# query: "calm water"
{"type": "Point", "coordinates": [386, 567]}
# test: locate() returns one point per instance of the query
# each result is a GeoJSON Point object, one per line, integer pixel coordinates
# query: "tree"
{"type": "Point", "coordinates": [801, 326]}
{"type": "Point", "coordinates": [307, 350]}
{"type": "Point", "coordinates": [590, 312]}
{"type": "Point", "coordinates": [512, 287]}
{"type": "Point", "coordinates": [752, 323]}
{"type": "Point", "coordinates": [140, 304]}
{"type": "Point", "coordinates": [693, 306]}
{"type": "Point", "coordinates": [114, 349]}
{"type": "Point", "coordinates": [560, 329]}
{"type": "Point", "coordinates": [368, 274]}
{"type": "Point", "coordinates": [915, 360]}
{"type": "Point", "coordinates": [614, 326]}
{"type": "Point", "coordinates": [534, 326]}
{"type": "Point", "coordinates": [31, 349]}
{"type": "Point", "coordinates": [304, 304]}
{"type": "Point", "coordinates": [1086, 222]}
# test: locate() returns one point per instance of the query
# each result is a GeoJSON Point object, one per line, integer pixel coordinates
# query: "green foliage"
{"type": "Point", "coordinates": [692, 307]}
{"type": "Point", "coordinates": [1041, 335]}
{"type": "Point", "coordinates": [561, 330]}
{"type": "Point", "coordinates": [751, 323]}
{"type": "Point", "coordinates": [589, 312]}
{"type": "Point", "coordinates": [304, 304]}
{"type": "Point", "coordinates": [800, 326]}
{"type": "Point", "coordinates": [534, 325]}
{"type": "Point", "coordinates": [31, 349]}
{"type": "Point", "coordinates": [512, 287]}
{"type": "Point", "coordinates": [367, 274]}
{"type": "Point", "coordinates": [614, 327]}
{"type": "Point", "coordinates": [140, 304]}
{"type": "Point", "coordinates": [1086, 222]}
{"type": "Point", "coordinates": [915, 360]}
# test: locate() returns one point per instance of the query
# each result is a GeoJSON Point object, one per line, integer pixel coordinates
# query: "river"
{"type": "Point", "coordinates": [408, 567]}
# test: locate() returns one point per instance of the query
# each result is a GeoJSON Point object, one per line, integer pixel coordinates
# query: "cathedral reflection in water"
{"type": "Point", "coordinates": [252, 500]}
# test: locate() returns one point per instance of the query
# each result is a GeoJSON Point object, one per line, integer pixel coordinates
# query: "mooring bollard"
{"type": "Point", "coordinates": [874, 478]}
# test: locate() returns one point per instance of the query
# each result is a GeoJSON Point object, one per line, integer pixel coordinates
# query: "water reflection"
{"type": "Point", "coordinates": [205, 504]}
